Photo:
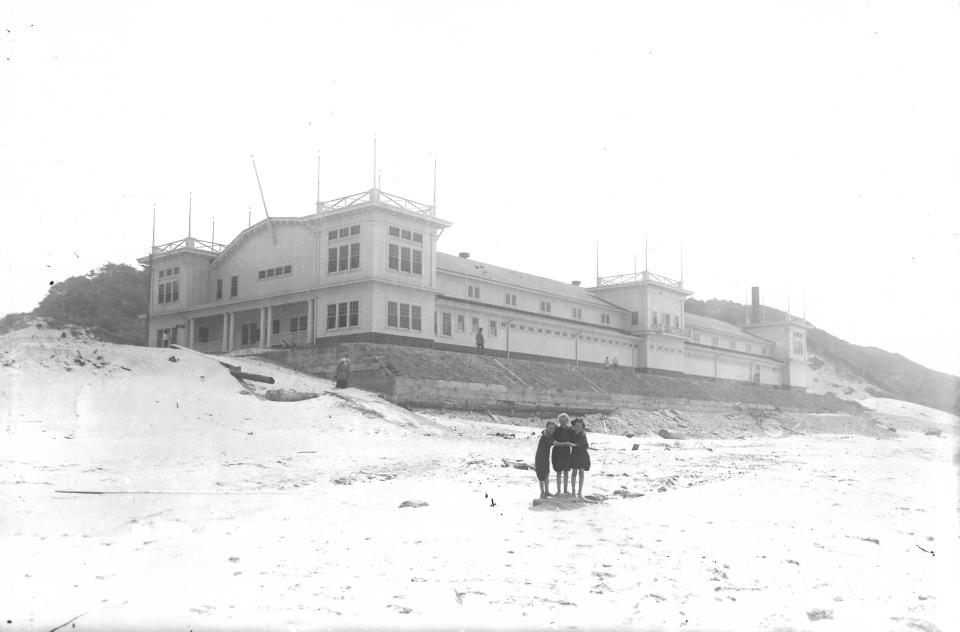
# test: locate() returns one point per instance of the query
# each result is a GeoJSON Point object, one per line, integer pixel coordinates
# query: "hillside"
{"type": "Point", "coordinates": [107, 302]}
{"type": "Point", "coordinates": [853, 371]}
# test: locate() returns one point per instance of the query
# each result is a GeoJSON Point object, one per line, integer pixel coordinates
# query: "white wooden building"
{"type": "Point", "coordinates": [366, 268]}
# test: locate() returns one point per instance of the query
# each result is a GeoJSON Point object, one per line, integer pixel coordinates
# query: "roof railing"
{"type": "Point", "coordinates": [638, 277]}
{"type": "Point", "coordinates": [376, 195]}
{"type": "Point", "coordinates": [191, 243]}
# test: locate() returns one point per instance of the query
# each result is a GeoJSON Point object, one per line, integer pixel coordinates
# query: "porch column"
{"type": "Point", "coordinates": [189, 333]}
{"type": "Point", "coordinates": [230, 332]}
{"type": "Point", "coordinates": [263, 326]}
{"type": "Point", "coordinates": [223, 333]}
{"type": "Point", "coordinates": [268, 331]}
{"type": "Point", "coordinates": [310, 335]}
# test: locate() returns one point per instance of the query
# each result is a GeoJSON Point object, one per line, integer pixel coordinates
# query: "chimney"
{"type": "Point", "coordinates": [464, 255]}
{"type": "Point", "coordinates": [755, 306]}
{"type": "Point", "coordinates": [577, 283]}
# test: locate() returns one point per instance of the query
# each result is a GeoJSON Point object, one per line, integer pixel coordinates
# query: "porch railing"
{"type": "Point", "coordinates": [289, 338]}
{"type": "Point", "coordinates": [638, 277]}
{"type": "Point", "coordinates": [375, 195]}
{"type": "Point", "coordinates": [212, 346]}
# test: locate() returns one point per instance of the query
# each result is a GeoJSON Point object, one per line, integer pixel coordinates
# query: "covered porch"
{"type": "Point", "coordinates": [282, 325]}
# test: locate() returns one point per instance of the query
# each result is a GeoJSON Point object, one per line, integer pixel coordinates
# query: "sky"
{"type": "Point", "coordinates": [808, 148]}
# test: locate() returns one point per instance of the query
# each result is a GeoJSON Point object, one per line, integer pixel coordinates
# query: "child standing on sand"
{"type": "Point", "coordinates": [579, 458]}
{"type": "Point", "coordinates": [561, 451]}
{"type": "Point", "coordinates": [542, 460]}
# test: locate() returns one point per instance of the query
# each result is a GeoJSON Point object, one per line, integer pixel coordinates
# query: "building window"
{"type": "Point", "coordinates": [545, 307]}
{"type": "Point", "coordinates": [492, 330]}
{"type": "Point", "coordinates": [763, 349]}
{"type": "Point", "coordinates": [273, 273]}
{"type": "Point", "coordinates": [733, 344]}
{"type": "Point", "coordinates": [234, 286]}
{"type": "Point", "coordinates": [168, 292]}
{"type": "Point", "coordinates": [404, 316]}
{"type": "Point", "coordinates": [203, 334]}
{"type": "Point", "coordinates": [355, 256]}
{"type": "Point", "coordinates": [404, 258]}
{"type": "Point", "coordinates": [473, 292]}
{"type": "Point", "coordinates": [474, 325]}
{"type": "Point", "coordinates": [653, 318]}
{"type": "Point", "coordinates": [696, 337]}
{"type": "Point", "coordinates": [415, 318]}
{"type": "Point", "coordinates": [275, 326]}
{"type": "Point", "coordinates": [331, 316]}
{"type": "Point", "coordinates": [604, 319]}
{"type": "Point", "coordinates": [406, 235]}
{"type": "Point", "coordinates": [342, 315]}
{"type": "Point", "coordinates": [393, 257]}
{"type": "Point", "coordinates": [749, 347]}
{"type": "Point", "coordinates": [219, 289]}
{"type": "Point", "coordinates": [343, 258]}
{"type": "Point", "coordinates": [577, 313]}
{"type": "Point", "coordinates": [354, 307]}
{"type": "Point", "coordinates": [343, 232]}
{"type": "Point", "coordinates": [510, 299]}
{"type": "Point", "coordinates": [634, 318]}
{"type": "Point", "coordinates": [298, 323]}
{"type": "Point", "coordinates": [446, 330]}
{"type": "Point", "coordinates": [715, 341]}
{"type": "Point", "coordinates": [461, 323]}
{"type": "Point", "coordinates": [391, 314]}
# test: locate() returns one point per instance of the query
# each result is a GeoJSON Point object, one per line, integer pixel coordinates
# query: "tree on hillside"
{"type": "Point", "coordinates": [110, 298]}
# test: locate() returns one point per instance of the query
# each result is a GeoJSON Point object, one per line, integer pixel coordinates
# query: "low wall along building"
{"type": "Point", "coordinates": [365, 268]}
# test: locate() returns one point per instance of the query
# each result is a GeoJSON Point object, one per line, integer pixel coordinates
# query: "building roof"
{"type": "Point", "coordinates": [696, 321]}
{"type": "Point", "coordinates": [505, 276]}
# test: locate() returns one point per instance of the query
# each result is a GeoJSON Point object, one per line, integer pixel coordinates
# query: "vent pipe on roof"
{"type": "Point", "coordinates": [577, 283]}
{"type": "Point", "coordinates": [464, 255]}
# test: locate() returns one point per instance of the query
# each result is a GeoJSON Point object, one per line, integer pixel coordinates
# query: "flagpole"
{"type": "Point", "coordinates": [153, 244]}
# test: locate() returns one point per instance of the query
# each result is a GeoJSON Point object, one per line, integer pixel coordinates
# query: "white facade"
{"type": "Point", "coordinates": [366, 267]}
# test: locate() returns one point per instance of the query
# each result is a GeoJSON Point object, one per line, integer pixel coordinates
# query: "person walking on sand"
{"type": "Point", "coordinates": [542, 459]}
{"type": "Point", "coordinates": [480, 341]}
{"type": "Point", "coordinates": [343, 372]}
{"type": "Point", "coordinates": [579, 457]}
{"type": "Point", "coordinates": [561, 451]}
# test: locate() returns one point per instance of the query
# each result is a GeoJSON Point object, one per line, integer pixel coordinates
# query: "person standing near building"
{"type": "Point", "coordinates": [480, 341]}
{"type": "Point", "coordinates": [541, 460]}
{"type": "Point", "coordinates": [579, 457]}
{"type": "Point", "coordinates": [343, 372]}
{"type": "Point", "coordinates": [562, 442]}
